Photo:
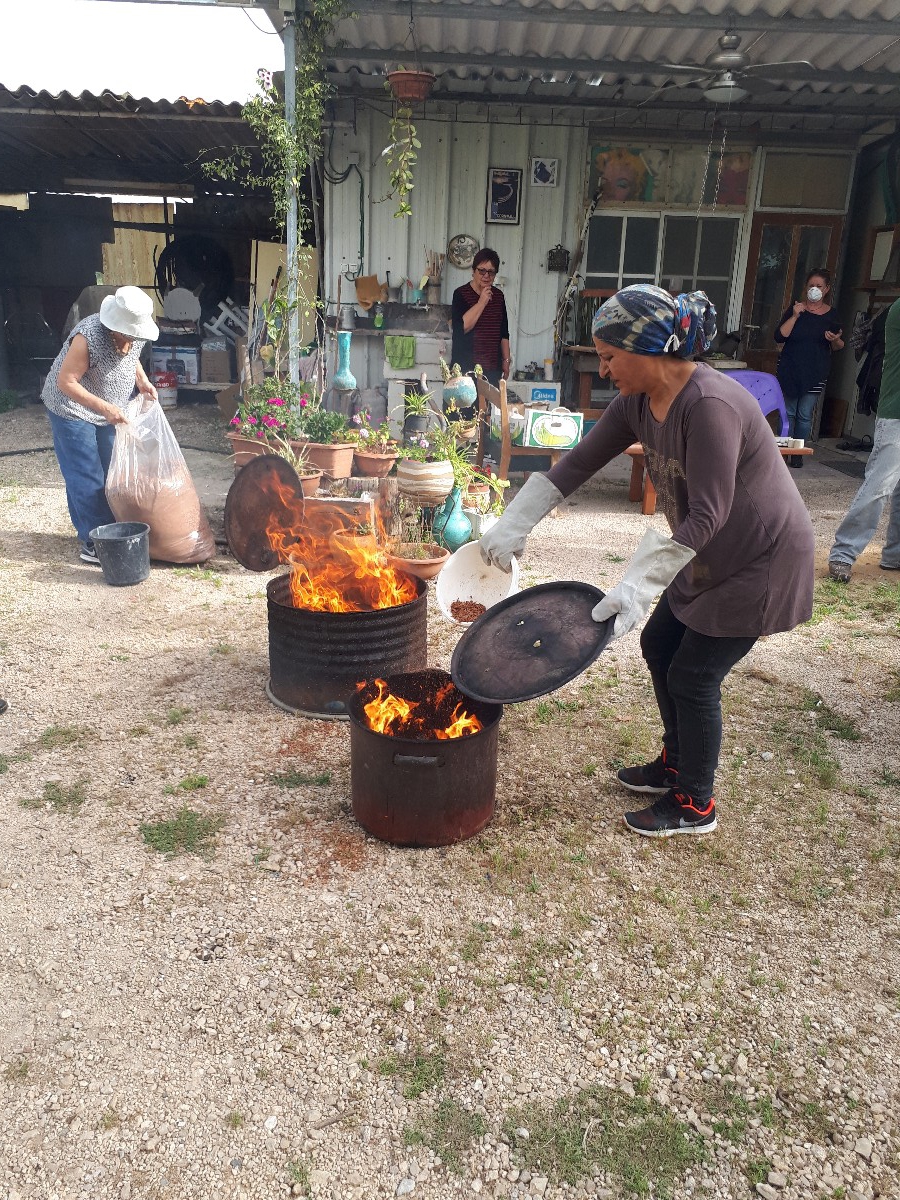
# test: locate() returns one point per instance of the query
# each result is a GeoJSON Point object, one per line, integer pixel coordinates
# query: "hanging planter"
{"type": "Point", "coordinates": [410, 87]}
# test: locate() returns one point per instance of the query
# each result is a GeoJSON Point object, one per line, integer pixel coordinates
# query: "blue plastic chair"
{"type": "Point", "coordinates": [767, 391]}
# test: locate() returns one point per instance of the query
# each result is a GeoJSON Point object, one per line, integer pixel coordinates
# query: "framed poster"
{"type": "Point", "coordinates": [544, 172]}
{"type": "Point", "coordinates": [504, 196]}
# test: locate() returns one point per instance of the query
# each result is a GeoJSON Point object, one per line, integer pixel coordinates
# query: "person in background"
{"type": "Point", "coordinates": [739, 562]}
{"type": "Point", "coordinates": [95, 374]}
{"type": "Point", "coordinates": [882, 472]}
{"type": "Point", "coordinates": [480, 321]}
{"type": "Point", "coordinates": [809, 332]}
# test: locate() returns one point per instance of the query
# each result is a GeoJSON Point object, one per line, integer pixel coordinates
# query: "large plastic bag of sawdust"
{"type": "Point", "coordinates": [149, 481]}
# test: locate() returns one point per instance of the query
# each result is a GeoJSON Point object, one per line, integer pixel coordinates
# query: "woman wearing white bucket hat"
{"type": "Point", "coordinates": [95, 374]}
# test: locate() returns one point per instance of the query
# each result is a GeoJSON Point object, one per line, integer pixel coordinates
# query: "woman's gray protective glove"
{"type": "Point", "coordinates": [655, 564]}
{"type": "Point", "coordinates": [507, 538]}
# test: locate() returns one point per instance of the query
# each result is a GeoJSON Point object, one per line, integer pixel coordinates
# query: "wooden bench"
{"type": "Point", "coordinates": [641, 489]}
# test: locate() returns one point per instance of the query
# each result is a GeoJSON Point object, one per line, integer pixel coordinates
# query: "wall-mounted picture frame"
{"type": "Point", "coordinates": [504, 196]}
{"type": "Point", "coordinates": [544, 172]}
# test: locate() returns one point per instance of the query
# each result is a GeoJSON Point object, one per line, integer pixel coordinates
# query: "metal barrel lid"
{"type": "Point", "coordinates": [530, 643]}
{"type": "Point", "coordinates": [266, 488]}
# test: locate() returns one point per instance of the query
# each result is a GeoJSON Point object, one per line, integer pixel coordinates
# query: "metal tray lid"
{"type": "Point", "coordinates": [530, 643]}
{"type": "Point", "coordinates": [266, 487]}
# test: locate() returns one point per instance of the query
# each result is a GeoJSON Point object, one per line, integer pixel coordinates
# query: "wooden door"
{"type": "Point", "coordinates": [784, 248]}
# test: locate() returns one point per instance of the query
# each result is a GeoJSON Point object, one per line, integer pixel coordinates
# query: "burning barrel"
{"type": "Point", "coordinates": [341, 613]}
{"type": "Point", "coordinates": [423, 759]}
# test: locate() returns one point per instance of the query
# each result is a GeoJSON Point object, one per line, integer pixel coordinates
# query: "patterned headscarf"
{"type": "Point", "coordinates": [645, 319]}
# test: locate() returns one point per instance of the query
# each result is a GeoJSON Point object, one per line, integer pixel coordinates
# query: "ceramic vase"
{"type": "Point", "coordinates": [344, 380]}
{"type": "Point", "coordinates": [463, 393]}
{"type": "Point", "coordinates": [451, 527]}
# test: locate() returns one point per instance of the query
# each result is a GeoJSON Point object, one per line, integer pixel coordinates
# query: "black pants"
{"type": "Point", "coordinates": [687, 670]}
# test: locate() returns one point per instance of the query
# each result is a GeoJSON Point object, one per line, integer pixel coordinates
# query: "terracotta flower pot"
{"type": "Point", "coordinates": [244, 449]}
{"type": "Point", "coordinates": [372, 466]}
{"type": "Point", "coordinates": [410, 85]}
{"type": "Point", "coordinates": [309, 481]}
{"type": "Point", "coordinates": [428, 483]}
{"type": "Point", "coordinates": [334, 460]}
{"type": "Point", "coordinates": [402, 558]}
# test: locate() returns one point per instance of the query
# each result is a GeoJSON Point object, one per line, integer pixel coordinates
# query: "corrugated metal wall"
{"type": "Point", "coordinates": [449, 198]}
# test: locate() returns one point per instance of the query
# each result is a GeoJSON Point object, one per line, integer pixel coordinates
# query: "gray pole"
{"type": "Point", "coordinates": [290, 112]}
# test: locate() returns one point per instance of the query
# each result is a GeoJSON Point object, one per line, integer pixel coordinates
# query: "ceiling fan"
{"type": "Point", "coordinates": [727, 74]}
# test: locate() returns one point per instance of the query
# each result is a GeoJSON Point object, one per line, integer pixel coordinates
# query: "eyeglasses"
{"type": "Point", "coordinates": [486, 274]}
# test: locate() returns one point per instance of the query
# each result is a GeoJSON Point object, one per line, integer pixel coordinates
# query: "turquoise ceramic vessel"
{"type": "Point", "coordinates": [451, 527]}
{"type": "Point", "coordinates": [461, 392]}
{"type": "Point", "coordinates": [344, 379]}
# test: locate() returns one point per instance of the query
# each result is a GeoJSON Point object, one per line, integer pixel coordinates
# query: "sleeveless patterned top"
{"type": "Point", "coordinates": [110, 375]}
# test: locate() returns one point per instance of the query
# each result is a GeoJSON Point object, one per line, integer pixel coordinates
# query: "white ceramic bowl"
{"type": "Point", "coordinates": [466, 577]}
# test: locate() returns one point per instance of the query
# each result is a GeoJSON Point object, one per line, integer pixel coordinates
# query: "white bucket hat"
{"type": "Point", "coordinates": [130, 311]}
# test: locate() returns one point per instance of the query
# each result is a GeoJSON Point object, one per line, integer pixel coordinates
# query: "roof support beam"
{"type": "Point", "coordinates": [545, 14]}
{"type": "Point", "coordinates": [537, 65]}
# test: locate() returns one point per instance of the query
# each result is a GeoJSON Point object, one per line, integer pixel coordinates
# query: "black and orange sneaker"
{"type": "Point", "coordinates": [656, 777]}
{"type": "Point", "coordinates": [675, 812]}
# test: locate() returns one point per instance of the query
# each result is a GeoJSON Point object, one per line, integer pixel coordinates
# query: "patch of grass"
{"type": "Point", "coordinates": [60, 798]}
{"type": "Point", "coordinates": [826, 718]}
{"type": "Point", "coordinates": [448, 1131]}
{"type": "Point", "coordinates": [833, 599]}
{"type": "Point", "coordinates": [635, 1140]}
{"type": "Point", "coordinates": [16, 1072]}
{"type": "Point", "coordinates": [57, 736]}
{"type": "Point", "coordinates": [137, 731]}
{"type": "Point", "coordinates": [235, 1120]}
{"type": "Point", "coordinates": [204, 574]}
{"type": "Point", "coordinates": [187, 833]}
{"type": "Point", "coordinates": [190, 783]}
{"type": "Point", "coordinates": [294, 779]}
{"type": "Point", "coordinates": [7, 760]}
{"type": "Point", "coordinates": [223, 648]}
{"type": "Point", "coordinates": [176, 715]}
{"type": "Point", "coordinates": [419, 1069]}
{"type": "Point", "coordinates": [190, 741]}
{"type": "Point", "coordinates": [298, 1173]}
{"type": "Point", "coordinates": [110, 1119]}
{"type": "Point", "coordinates": [443, 997]}
{"type": "Point", "coordinates": [757, 1170]}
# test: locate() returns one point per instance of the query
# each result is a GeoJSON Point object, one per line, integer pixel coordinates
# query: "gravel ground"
{"type": "Point", "coordinates": [553, 1008]}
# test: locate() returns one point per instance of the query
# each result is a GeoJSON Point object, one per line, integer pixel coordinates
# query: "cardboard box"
{"type": "Point", "coordinates": [183, 361]}
{"type": "Point", "coordinates": [215, 365]}
{"type": "Point", "coordinates": [557, 429]}
{"type": "Point", "coordinates": [536, 392]}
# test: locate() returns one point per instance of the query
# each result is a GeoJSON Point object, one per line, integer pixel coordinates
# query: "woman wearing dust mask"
{"type": "Point", "coordinates": [809, 331]}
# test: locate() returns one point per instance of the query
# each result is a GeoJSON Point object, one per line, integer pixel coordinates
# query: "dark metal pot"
{"type": "Point", "coordinates": [415, 792]}
{"type": "Point", "coordinates": [316, 659]}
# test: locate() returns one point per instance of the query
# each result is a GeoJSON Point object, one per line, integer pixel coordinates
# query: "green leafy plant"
{"type": "Point", "coordinates": [401, 157]}
{"type": "Point", "coordinates": [271, 407]}
{"type": "Point", "coordinates": [318, 424]}
{"type": "Point", "coordinates": [417, 404]}
{"type": "Point", "coordinates": [370, 438]}
{"type": "Point", "coordinates": [187, 833]}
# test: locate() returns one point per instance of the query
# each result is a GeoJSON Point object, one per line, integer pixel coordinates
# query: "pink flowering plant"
{"type": "Point", "coordinates": [371, 438]}
{"type": "Point", "coordinates": [271, 409]}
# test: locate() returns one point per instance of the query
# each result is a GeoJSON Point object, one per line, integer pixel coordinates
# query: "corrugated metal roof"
{"type": "Point", "coordinates": [550, 50]}
{"type": "Point", "coordinates": [46, 140]}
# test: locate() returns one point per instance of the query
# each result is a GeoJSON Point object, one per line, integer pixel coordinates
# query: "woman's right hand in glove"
{"type": "Point", "coordinates": [506, 539]}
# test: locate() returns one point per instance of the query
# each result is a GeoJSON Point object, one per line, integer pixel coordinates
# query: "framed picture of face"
{"type": "Point", "coordinates": [504, 196]}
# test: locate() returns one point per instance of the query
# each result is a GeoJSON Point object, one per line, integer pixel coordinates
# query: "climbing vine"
{"type": "Point", "coordinates": [401, 158]}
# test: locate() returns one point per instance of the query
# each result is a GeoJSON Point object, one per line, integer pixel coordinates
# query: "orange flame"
{"type": "Point", "coordinates": [331, 571]}
{"type": "Point", "coordinates": [392, 715]}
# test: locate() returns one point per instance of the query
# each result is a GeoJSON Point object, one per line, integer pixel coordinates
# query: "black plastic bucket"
{"type": "Point", "coordinates": [124, 551]}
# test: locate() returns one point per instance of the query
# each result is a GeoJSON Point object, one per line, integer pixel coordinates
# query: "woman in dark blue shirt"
{"type": "Point", "coordinates": [809, 331]}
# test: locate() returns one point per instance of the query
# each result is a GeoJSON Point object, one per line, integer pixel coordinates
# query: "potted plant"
{"type": "Point", "coordinates": [460, 393]}
{"type": "Point", "coordinates": [263, 412]}
{"type": "Point", "coordinates": [416, 552]}
{"type": "Point", "coordinates": [424, 472]}
{"type": "Point", "coordinates": [310, 476]}
{"type": "Point", "coordinates": [410, 87]}
{"type": "Point", "coordinates": [416, 412]}
{"type": "Point", "coordinates": [483, 501]}
{"type": "Point", "coordinates": [375, 448]}
{"type": "Point", "coordinates": [324, 437]}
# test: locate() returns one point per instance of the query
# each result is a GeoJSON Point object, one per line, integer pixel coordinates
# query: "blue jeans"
{"type": "Point", "coordinates": [687, 670]}
{"type": "Point", "coordinates": [800, 411]}
{"type": "Point", "coordinates": [84, 452]}
{"type": "Point", "coordinates": [882, 480]}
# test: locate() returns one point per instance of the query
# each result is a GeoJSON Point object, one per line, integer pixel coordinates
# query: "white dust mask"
{"type": "Point", "coordinates": [814, 295]}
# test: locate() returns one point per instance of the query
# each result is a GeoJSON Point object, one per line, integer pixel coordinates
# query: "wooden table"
{"type": "Point", "coordinates": [640, 488]}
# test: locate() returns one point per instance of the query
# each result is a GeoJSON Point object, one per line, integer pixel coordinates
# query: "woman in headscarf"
{"type": "Point", "coordinates": [739, 562]}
